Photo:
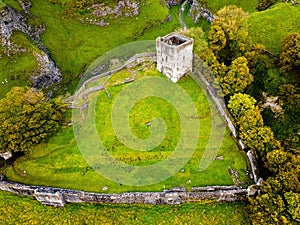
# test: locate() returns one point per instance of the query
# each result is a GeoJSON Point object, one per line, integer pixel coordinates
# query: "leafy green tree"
{"type": "Point", "coordinates": [237, 78]}
{"type": "Point", "coordinates": [276, 160]}
{"type": "Point", "coordinates": [239, 103]}
{"type": "Point", "coordinates": [268, 208]}
{"type": "Point", "coordinates": [290, 52]}
{"type": "Point", "coordinates": [26, 119]}
{"type": "Point", "coordinates": [251, 129]}
{"type": "Point", "coordinates": [293, 201]}
{"type": "Point", "coordinates": [260, 138]}
{"type": "Point", "coordinates": [251, 118]}
{"type": "Point", "coordinates": [228, 35]}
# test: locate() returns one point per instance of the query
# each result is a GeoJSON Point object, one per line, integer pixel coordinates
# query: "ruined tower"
{"type": "Point", "coordinates": [174, 55]}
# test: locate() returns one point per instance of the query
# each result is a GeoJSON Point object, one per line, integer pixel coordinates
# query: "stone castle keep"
{"type": "Point", "coordinates": [174, 55]}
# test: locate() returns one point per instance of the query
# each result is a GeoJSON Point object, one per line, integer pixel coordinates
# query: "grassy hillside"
{"type": "Point", "coordinates": [270, 26]}
{"type": "Point", "coordinates": [74, 45]}
{"type": "Point", "coordinates": [24, 210]}
{"type": "Point", "coordinates": [247, 5]}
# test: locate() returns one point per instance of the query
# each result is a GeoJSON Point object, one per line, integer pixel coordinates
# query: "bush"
{"type": "Point", "coordinates": [264, 4]}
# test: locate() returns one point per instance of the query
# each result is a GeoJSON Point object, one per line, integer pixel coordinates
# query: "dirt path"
{"type": "Point", "coordinates": [181, 14]}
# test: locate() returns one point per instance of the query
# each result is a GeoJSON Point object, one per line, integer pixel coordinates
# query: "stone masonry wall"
{"type": "Point", "coordinates": [59, 197]}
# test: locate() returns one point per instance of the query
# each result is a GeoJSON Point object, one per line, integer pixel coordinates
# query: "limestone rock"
{"type": "Point", "coordinates": [197, 11]}
{"type": "Point", "coordinates": [220, 157]}
{"type": "Point", "coordinates": [5, 155]}
{"type": "Point", "coordinates": [252, 190]}
{"type": "Point", "coordinates": [12, 20]}
{"type": "Point", "coordinates": [104, 188]}
{"type": "Point", "coordinates": [173, 2]}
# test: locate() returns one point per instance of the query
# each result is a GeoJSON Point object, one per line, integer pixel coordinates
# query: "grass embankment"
{"type": "Point", "coordinates": [60, 163]}
{"type": "Point", "coordinates": [13, 3]}
{"type": "Point", "coordinates": [270, 26]}
{"type": "Point", "coordinates": [24, 210]}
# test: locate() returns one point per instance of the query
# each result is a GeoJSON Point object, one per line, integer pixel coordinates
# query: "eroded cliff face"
{"type": "Point", "coordinates": [12, 21]}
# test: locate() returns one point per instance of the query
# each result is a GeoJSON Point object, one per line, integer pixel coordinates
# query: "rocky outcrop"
{"type": "Point", "coordinates": [12, 20]}
{"type": "Point", "coordinates": [126, 8]}
{"type": "Point", "coordinates": [173, 2]}
{"type": "Point", "coordinates": [6, 155]}
{"type": "Point", "coordinates": [59, 197]}
{"type": "Point", "coordinates": [101, 12]}
{"type": "Point", "coordinates": [47, 74]}
{"type": "Point", "coordinates": [198, 11]}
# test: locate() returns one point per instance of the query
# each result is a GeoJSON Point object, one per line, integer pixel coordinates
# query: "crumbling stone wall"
{"type": "Point", "coordinates": [59, 197]}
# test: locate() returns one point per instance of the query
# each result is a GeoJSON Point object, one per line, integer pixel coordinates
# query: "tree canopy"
{"type": "Point", "coordinates": [26, 119]}
{"type": "Point", "coordinates": [290, 52]}
{"type": "Point", "coordinates": [237, 78]}
{"type": "Point", "coordinates": [228, 35]}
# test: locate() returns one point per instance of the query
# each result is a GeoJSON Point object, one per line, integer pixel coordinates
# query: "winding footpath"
{"type": "Point", "coordinates": [181, 11]}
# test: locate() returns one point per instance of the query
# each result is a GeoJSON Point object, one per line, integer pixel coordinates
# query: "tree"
{"type": "Point", "coordinates": [261, 139]}
{"type": "Point", "coordinates": [276, 203]}
{"type": "Point", "coordinates": [290, 52]}
{"type": "Point", "coordinates": [26, 119]}
{"type": "Point", "coordinates": [267, 208]}
{"type": "Point", "coordinates": [250, 119]}
{"type": "Point", "coordinates": [239, 103]}
{"type": "Point", "coordinates": [228, 35]}
{"type": "Point", "coordinates": [293, 201]}
{"type": "Point", "coordinates": [276, 160]}
{"type": "Point", "coordinates": [237, 78]}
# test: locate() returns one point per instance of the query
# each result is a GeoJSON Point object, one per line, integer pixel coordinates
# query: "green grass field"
{"type": "Point", "coordinates": [247, 5]}
{"type": "Point", "coordinates": [61, 164]}
{"type": "Point", "coordinates": [24, 210]}
{"type": "Point", "coordinates": [270, 26]}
